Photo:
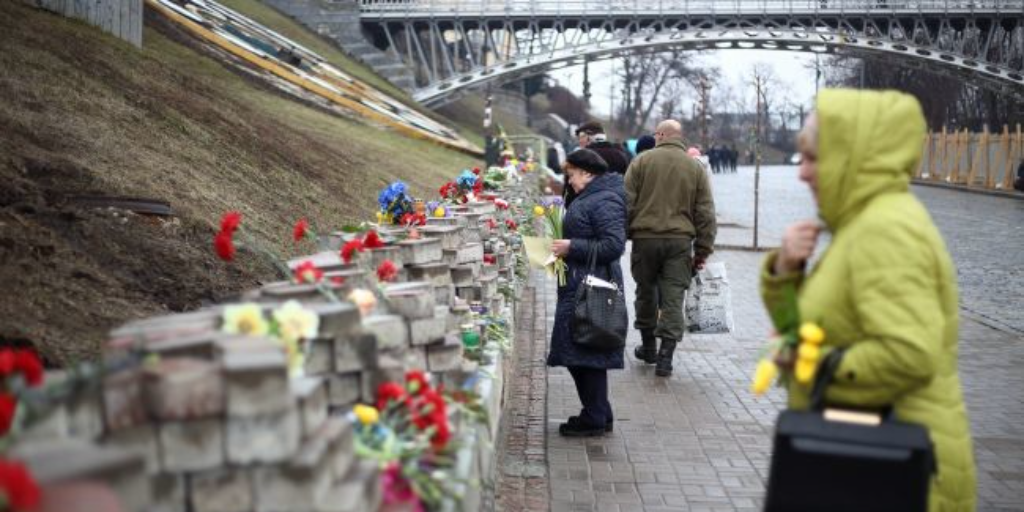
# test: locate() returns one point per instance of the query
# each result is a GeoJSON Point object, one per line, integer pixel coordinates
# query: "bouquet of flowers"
{"type": "Point", "coordinates": [553, 215]}
{"type": "Point", "coordinates": [290, 325]}
{"type": "Point", "coordinates": [394, 202]}
{"type": "Point", "coordinates": [793, 352]}
{"type": "Point", "coordinates": [409, 433]}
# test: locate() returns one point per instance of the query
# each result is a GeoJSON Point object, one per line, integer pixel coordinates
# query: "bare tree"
{"type": "Point", "coordinates": [643, 78]}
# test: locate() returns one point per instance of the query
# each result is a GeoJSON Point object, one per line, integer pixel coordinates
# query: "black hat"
{"type": "Point", "coordinates": [644, 143]}
{"type": "Point", "coordinates": [590, 128]}
{"type": "Point", "coordinates": [587, 160]}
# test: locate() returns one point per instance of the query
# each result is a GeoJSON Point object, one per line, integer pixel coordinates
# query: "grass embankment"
{"type": "Point", "coordinates": [85, 113]}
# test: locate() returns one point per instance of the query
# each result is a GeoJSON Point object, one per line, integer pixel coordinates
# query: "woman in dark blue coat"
{"type": "Point", "coordinates": [596, 221]}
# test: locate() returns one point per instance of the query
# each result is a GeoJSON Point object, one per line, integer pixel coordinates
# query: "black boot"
{"type": "Point", "coordinates": [648, 351]}
{"type": "Point", "coordinates": [664, 363]}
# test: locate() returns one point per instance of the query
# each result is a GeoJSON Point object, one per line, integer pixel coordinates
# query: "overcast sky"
{"type": "Point", "coordinates": [735, 67]}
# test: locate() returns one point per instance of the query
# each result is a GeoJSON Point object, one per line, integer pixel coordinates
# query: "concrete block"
{"type": "Point", "coordinates": [255, 378]}
{"type": "Point", "coordinates": [463, 275]}
{"type": "Point", "coordinates": [336, 320]}
{"type": "Point", "coordinates": [344, 389]}
{"type": "Point", "coordinates": [390, 331]}
{"type": "Point", "coordinates": [411, 300]}
{"type": "Point", "coordinates": [305, 292]}
{"type": "Point", "coordinates": [286, 487]}
{"type": "Point", "coordinates": [169, 493]}
{"type": "Point", "coordinates": [195, 445]}
{"type": "Point", "coordinates": [142, 440]}
{"type": "Point", "coordinates": [123, 404]}
{"type": "Point", "coordinates": [319, 356]}
{"type": "Point", "coordinates": [222, 490]}
{"type": "Point", "coordinates": [420, 251]}
{"type": "Point", "coordinates": [356, 353]}
{"type": "Point", "coordinates": [415, 359]}
{"type": "Point", "coordinates": [311, 397]}
{"type": "Point", "coordinates": [444, 295]}
{"type": "Point", "coordinates": [377, 256]}
{"type": "Point", "coordinates": [429, 330]}
{"type": "Point", "coordinates": [341, 454]}
{"type": "Point", "coordinates": [183, 388]}
{"type": "Point", "coordinates": [140, 333]}
{"type": "Point", "coordinates": [370, 381]}
{"type": "Point", "coordinates": [483, 207]}
{"type": "Point", "coordinates": [472, 293]}
{"type": "Point", "coordinates": [445, 356]}
{"type": "Point", "coordinates": [269, 438]}
{"type": "Point", "coordinates": [438, 274]}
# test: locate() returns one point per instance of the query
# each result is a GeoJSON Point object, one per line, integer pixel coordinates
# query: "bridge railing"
{"type": "Point", "coordinates": [549, 7]}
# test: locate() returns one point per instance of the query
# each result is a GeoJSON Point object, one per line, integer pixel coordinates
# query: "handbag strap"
{"type": "Point", "coordinates": [823, 377]}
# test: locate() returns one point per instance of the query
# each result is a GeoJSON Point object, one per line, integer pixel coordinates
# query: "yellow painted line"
{"type": "Point", "coordinates": [286, 74]}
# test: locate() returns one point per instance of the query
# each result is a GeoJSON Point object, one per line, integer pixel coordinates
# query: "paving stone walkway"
{"type": "Point", "coordinates": [699, 441]}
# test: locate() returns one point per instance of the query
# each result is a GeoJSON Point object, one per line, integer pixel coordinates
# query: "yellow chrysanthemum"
{"type": "Point", "coordinates": [538, 211]}
{"type": "Point", "coordinates": [808, 352]}
{"type": "Point", "coordinates": [367, 415]}
{"type": "Point", "coordinates": [245, 319]}
{"type": "Point", "coordinates": [295, 322]}
{"type": "Point", "coordinates": [763, 376]}
{"type": "Point", "coordinates": [805, 370]}
{"type": "Point", "coordinates": [439, 212]}
{"type": "Point", "coordinates": [811, 333]}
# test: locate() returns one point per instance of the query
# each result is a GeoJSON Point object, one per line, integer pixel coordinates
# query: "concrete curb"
{"type": "Point", "coordinates": [972, 190]}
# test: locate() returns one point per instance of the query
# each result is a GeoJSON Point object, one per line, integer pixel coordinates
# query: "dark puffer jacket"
{"type": "Point", "coordinates": [596, 219]}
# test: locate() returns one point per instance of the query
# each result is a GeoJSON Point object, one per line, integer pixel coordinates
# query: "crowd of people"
{"type": "Point", "coordinates": [885, 293]}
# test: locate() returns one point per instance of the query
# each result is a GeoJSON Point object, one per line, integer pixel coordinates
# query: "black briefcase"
{"type": "Point", "coordinates": [843, 461]}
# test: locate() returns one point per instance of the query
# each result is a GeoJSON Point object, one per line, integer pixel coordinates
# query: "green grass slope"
{"type": "Point", "coordinates": [84, 113]}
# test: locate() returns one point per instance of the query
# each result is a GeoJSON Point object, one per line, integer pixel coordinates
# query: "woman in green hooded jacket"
{"type": "Point", "coordinates": [885, 290]}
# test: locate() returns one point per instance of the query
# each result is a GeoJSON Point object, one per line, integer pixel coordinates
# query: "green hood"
{"type": "Point", "coordinates": [869, 144]}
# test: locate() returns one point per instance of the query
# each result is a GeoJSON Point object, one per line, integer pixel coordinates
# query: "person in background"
{"type": "Point", "coordinates": [644, 143]}
{"type": "Point", "coordinates": [885, 292]}
{"type": "Point", "coordinates": [596, 221]}
{"type": "Point", "coordinates": [590, 135]}
{"type": "Point", "coordinates": [1019, 182]}
{"type": "Point", "coordinates": [672, 225]}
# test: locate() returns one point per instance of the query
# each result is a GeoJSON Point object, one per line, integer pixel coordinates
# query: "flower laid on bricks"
{"type": "Point", "coordinates": [539, 211]}
{"type": "Point", "coordinates": [350, 249]}
{"type": "Point", "coordinates": [18, 490]}
{"type": "Point", "coordinates": [372, 240]}
{"type": "Point", "coordinates": [366, 414]}
{"type": "Point", "coordinates": [394, 202]}
{"type": "Point", "coordinates": [292, 324]}
{"type": "Point", "coordinates": [511, 225]}
{"type": "Point", "coordinates": [364, 300]}
{"type": "Point", "coordinates": [8, 408]}
{"type": "Point", "coordinates": [246, 319]}
{"type": "Point", "coordinates": [300, 230]}
{"type": "Point", "coordinates": [387, 271]}
{"type": "Point", "coordinates": [307, 272]}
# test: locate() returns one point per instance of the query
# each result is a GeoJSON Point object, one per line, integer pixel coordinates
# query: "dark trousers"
{"type": "Point", "coordinates": [662, 270]}
{"type": "Point", "coordinates": [592, 387]}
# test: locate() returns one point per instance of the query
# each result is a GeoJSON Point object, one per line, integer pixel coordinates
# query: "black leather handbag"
{"type": "Point", "coordinates": [600, 321]}
{"type": "Point", "coordinates": [839, 461]}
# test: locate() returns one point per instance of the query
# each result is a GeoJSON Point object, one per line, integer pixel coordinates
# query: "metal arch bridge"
{"type": "Point", "coordinates": [453, 45]}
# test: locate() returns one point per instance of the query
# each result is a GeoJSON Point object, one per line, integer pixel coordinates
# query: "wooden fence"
{"type": "Point", "coordinates": [121, 18]}
{"type": "Point", "coordinates": [985, 160]}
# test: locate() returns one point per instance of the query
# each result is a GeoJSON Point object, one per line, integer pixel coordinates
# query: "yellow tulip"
{"type": "Point", "coordinates": [367, 415]}
{"type": "Point", "coordinates": [439, 212]}
{"type": "Point", "coordinates": [808, 352]}
{"type": "Point", "coordinates": [763, 376]}
{"type": "Point", "coordinates": [380, 217]}
{"type": "Point", "coordinates": [805, 370]}
{"type": "Point", "coordinates": [538, 211]}
{"type": "Point", "coordinates": [811, 333]}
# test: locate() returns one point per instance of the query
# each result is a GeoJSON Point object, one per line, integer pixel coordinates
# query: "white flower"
{"type": "Point", "coordinates": [245, 319]}
{"type": "Point", "coordinates": [295, 322]}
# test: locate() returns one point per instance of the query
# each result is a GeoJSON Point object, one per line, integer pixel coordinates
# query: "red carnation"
{"type": "Point", "coordinates": [372, 240]}
{"type": "Point", "coordinates": [8, 406]}
{"type": "Point", "coordinates": [389, 392]}
{"type": "Point", "coordinates": [224, 245]}
{"type": "Point", "coordinates": [230, 221]}
{"type": "Point", "coordinates": [351, 247]}
{"type": "Point", "coordinates": [476, 170]}
{"type": "Point", "coordinates": [441, 436]}
{"type": "Point", "coordinates": [490, 259]}
{"type": "Point", "coordinates": [406, 219]}
{"type": "Point", "coordinates": [491, 224]}
{"type": "Point", "coordinates": [6, 362]}
{"type": "Point", "coordinates": [478, 187]}
{"type": "Point", "coordinates": [511, 224]}
{"type": "Point", "coordinates": [28, 363]}
{"type": "Point", "coordinates": [300, 230]}
{"type": "Point", "coordinates": [416, 381]}
{"type": "Point", "coordinates": [307, 272]}
{"type": "Point", "coordinates": [387, 271]}
{"type": "Point", "coordinates": [17, 486]}
{"type": "Point", "coordinates": [338, 280]}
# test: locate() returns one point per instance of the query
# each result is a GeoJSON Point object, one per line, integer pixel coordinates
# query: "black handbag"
{"type": "Point", "coordinates": [600, 320]}
{"type": "Point", "coordinates": [839, 461]}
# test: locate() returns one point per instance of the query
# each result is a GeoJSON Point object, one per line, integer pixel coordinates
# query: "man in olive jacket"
{"type": "Point", "coordinates": [672, 225]}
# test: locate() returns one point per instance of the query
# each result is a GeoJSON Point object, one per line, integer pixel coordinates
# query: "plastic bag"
{"type": "Point", "coordinates": [709, 304]}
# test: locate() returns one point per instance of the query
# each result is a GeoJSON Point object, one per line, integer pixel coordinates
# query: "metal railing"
{"type": "Point", "coordinates": [653, 7]}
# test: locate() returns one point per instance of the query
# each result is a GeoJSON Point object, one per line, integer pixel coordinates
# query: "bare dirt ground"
{"type": "Point", "coordinates": [83, 113]}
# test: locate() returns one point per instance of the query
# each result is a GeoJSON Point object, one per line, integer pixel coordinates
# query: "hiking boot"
{"type": "Point", "coordinates": [663, 366]}
{"type": "Point", "coordinates": [648, 350]}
